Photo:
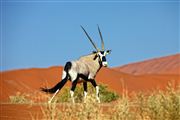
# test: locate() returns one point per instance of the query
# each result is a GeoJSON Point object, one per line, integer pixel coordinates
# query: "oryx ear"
{"type": "Point", "coordinates": [108, 52]}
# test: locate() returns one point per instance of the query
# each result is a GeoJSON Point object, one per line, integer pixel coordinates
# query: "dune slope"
{"type": "Point", "coordinates": [163, 65]}
{"type": "Point", "coordinates": [30, 80]}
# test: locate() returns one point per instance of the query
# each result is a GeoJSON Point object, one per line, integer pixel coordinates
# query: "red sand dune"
{"type": "Point", "coordinates": [162, 65]}
{"type": "Point", "coordinates": [30, 80]}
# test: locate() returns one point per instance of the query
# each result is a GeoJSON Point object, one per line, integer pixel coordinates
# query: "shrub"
{"type": "Point", "coordinates": [158, 105]}
{"type": "Point", "coordinates": [105, 94]}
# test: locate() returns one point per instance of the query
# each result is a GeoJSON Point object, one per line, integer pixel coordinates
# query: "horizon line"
{"type": "Point", "coordinates": [55, 65]}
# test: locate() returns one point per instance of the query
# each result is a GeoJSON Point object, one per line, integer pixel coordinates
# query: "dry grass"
{"type": "Point", "coordinates": [159, 105]}
{"type": "Point", "coordinates": [20, 98]}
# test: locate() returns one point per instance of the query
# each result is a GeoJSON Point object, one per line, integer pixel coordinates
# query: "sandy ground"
{"type": "Point", "coordinates": [30, 80]}
{"type": "Point", "coordinates": [30, 112]}
{"type": "Point", "coordinates": [19, 112]}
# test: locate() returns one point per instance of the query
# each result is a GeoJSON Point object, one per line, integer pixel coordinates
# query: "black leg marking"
{"type": "Point", "coordinates": [74, 83]}
{"type": "Point", "coordinates": [83, 77]}
{"type": "Point", "coordinates": [85, 86]}
{"type": "Point", "coordinates": [97, 89]}
{"type": "Point", "coordinates": [93, 82]}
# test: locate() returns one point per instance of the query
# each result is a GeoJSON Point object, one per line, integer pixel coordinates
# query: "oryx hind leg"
{"type": "Point", "coordinates": [85, 90]}
{"type": "Point", "coordinates": [74, 83]}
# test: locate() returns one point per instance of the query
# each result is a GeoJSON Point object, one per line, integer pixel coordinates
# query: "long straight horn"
{"type": "Point", "coordinates": [90, 39]}
{"type": "Point", "coordinates": [102, 41]}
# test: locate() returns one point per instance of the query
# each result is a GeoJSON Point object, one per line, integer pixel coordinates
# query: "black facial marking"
{"type": "Point", "coordinates": [102, 52]}
{"type": "Point", "coordinates": [103, 58]}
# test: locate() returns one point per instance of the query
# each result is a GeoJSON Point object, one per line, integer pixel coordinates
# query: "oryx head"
{"type": "Point", "coordinates": [100, 54]}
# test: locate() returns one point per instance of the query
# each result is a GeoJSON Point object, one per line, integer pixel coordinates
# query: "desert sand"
{"type": "Point", "coordinates": [137, 77]}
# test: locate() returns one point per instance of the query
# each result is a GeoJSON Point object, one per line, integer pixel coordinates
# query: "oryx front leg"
{"type": "Point", "coordinates": [72, 96]}
{"type": "Point", "coordinates": [97, 89]}
{"type": "Point", "coordinates": [97, 94]}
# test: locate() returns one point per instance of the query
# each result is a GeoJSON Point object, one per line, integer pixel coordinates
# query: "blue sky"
{"type": "Point", "coordinates": [47, 33]}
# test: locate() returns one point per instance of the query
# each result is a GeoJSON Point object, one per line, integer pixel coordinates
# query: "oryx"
{"type": "Point", "coordinates": [84, 69]}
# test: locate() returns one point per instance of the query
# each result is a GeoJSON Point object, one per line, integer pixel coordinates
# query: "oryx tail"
{"type": "Point", "coordinates": [65, 77]}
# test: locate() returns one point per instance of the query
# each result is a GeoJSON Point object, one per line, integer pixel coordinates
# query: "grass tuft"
{"type": "Point", "coordinates": [19, 98]}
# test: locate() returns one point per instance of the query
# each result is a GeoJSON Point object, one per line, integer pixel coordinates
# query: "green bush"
{"type": "Point", "coordinates": [105, 94]}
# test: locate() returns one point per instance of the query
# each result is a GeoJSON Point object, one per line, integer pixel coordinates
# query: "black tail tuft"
{"type": "Point", "coordinates": [61, 83]}
{"type": "Point", "coordinates": [56, 87]}
{"type": "Point", "coordinates": [48, 90]}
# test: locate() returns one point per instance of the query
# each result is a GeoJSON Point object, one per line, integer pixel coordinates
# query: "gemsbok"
{"type": "Point", "coordinates": [84, 69]}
